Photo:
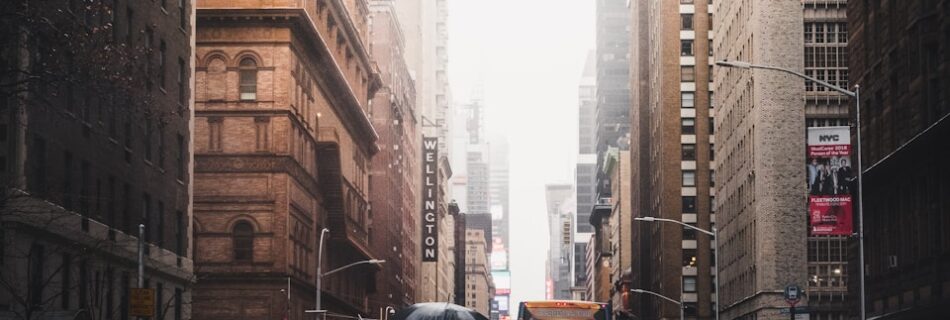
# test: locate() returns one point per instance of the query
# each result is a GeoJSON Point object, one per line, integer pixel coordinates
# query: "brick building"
{"type": "Point", "coordinates": [759, 199]}
{"type": "Point", "coordinates": [283, 143]}
{"type": "Point", "coordinates": [901, 59]}
{"type": "Point", "coordinates": [479, 288]}
{"type": "Point", "coordinates": [395, 169]}
{"type": "Point", "coordinates": [672, 146]}
{"type": "Point", "coordinates": [95, 141]}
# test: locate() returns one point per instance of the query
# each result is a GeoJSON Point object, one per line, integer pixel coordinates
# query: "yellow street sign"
{"type": "Point", "coordinates": [142, 302]}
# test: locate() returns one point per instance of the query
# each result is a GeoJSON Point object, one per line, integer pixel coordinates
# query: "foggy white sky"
{"type": "Point", "coordinates": [526, 56]}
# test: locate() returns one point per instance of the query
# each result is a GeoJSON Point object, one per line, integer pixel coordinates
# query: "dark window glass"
{"type": "Point", "coordinates": [38, 178]}
{"type": "Point", "coordinates": [689, 257]}
{"type": "Point", "coordinates": [37, 258]}
{"type": "Point", "coordinates": [243, 238]}
{"type": "Point", "coordinates": [66, 280]}
{"type": "Point", "coordinates": [180, 227]}
{"type": "Point", "coordinates": [687, 21]}
{"type": "Point", "coordinates": [689, 204]}
{"type": "Point", "coordinates": [689, 152]}
{"type": "Point", "coordinates": [688, 125]}
{"type": "Point", "coordinates": [686, 47]}
{"type": "Point", "coordinates": [248, 81]}
{"type": "Point", "coordinates": [162, 61]}
{"type": "Point", "coordinates": [182, 154]}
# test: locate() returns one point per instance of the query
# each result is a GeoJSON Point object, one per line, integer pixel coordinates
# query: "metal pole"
{"type": "Point", "coordinates": [682, 312]}
{"type": "Point", "coordinates": [319, 274]}
{"type": "Point", "coordinates": [141, 255]}
{"type": "Point", "coordinates": [857, 101]}
{"type": "Point", "coordinates": [715, 239]}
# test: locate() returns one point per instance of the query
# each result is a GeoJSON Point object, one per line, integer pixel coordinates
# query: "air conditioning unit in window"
{"type": "Point", "coordinates": [892, 261]}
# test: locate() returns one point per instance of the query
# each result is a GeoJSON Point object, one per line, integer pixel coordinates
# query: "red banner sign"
{"type": "Point", "coordinates": [829, 180]}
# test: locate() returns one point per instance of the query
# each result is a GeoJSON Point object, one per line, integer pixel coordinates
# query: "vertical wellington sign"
{"type": "Point", "coordinates": [829, 180]}
{"type": "Point", "coordinates": [430, 196]}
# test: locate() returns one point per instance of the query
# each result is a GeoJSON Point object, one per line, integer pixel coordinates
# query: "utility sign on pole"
{"type": "Point", "coordinates": [793, 295]}
{"type": "Point", "coordinates": [142, 302]}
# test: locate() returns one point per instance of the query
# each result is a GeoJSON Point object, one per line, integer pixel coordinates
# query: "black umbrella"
{"type": "Point", "coordinates": [437, 311]}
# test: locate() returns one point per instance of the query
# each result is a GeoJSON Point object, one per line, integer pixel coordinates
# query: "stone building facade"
{"type": "Point", "coordinates": [901, 60]}
{"type": "Point", "coordinates": [478, 282]}
{"type": "Point", "coordinates": [759, 200]}
{"type": "Point", "coordinates": [283, 143]}
{"type": "Point", "coordinates": [95, 143]}
{"type": "Point", "coordinates": [672, 147]}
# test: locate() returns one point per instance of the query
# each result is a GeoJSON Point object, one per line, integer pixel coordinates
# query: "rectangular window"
{"type": "Point", "coordinates": [689, 152]}
{"type": "Point", "coordinates": [146, 215]}
{"type": "Point", "coordinates": [712, 178]}
{"type": "Point", "coordinates": [689, 284]}
{"type": "Point", "coordinates": [688, 125]}
{"type": "Point", "coordinates": [712, 100]}
{"type": "Point", "coordinates": [688, 74]}
{"type": "Point", "coordinates": [182, 153]}
{"type": "Point", "coordinates": [160, 225]}
{"type": "Point", "coordinates": [159, 297]}
{"type": "Point", "coordinates": [182, 86]}
{"type": "Point", "coordinates": [689, 178]}
{"type": "Point", "coordinates": [66, 280]}
{"type": "Point", "coordinates": [689, 204]}
{"type": "Point", "coordinates": [148, 140]}
{"type": "Point", "coordinates": [178, 304]}
{"type": "Point", "coordinates": [37, 258]}
{"type": "Point", "coordinates": [67, 180]}
{"type": "Point", "coordinates": [689, 234]}
{"type": "Point", "coordinates": [180, 228]}
{"type": "Point", "coordinates": [161, 148]}
{"type": "Point", "coordinates": [686, 47]}
{"type": "Point", "coordinates": [689, 257]}
{"type": "Point", "coordinates": [129, 19]}
{"type": "Point", "coordinates": [162, 58]}
{"type": "Point", "coordinates": [182, 15]}
{"type": "Point", "coordinates": [688, 99]}
{"type": "Point", "coordinates": [712, 152]}
{"type": "Point", "coordinates": [126, 208]}
{"type": "Point", "coordinates": [709, 46]}
{"type": "Point", "coordinates": [38, 178]}
{"type": "Point", "coordinates": [83, 283]}
{"type": "Point", "coordinates": [687, 19]}
{"type": "Point", "coordinates": [686, 1]}
{"type": "Point", "coordinates": [124, 297]}
{"type": "Point", "coordinates": [110, 294]}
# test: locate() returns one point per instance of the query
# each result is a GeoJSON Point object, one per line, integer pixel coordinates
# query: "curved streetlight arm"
{"type": "Point", "coordinates": [351, 265]}
{"type": "Point", "coordinates": [651, 219]}
{"type": "Point", "coordinates": [746, 65]}
{"type": "Point", "coordinates": [656, 294]}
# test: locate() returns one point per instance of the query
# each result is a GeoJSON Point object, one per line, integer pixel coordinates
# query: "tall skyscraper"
{"type": "Point", "coordinates": [900, 56]}
{"type": "Point", "coordinates": [759, 202]}
{"type": "Point", "coordinates": [671, 141]}
{"type": "Point", "coordinates": [585, 172]}
{"type": "Point", "coordinates": [560, 205]}
{"type": "Point", "coordinates": [612, 86]}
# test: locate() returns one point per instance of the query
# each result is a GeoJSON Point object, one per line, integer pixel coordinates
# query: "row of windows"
{"type": "Point", "coordinates": [826, 32]}
{"type": "Point", "coordinates": [687, 21]}
{"type": "Point", "coordinates": [688, 125]}
{"type": "Point", "coordinates": [98, 198]}
{"type": "Point", "coordinates": [89, 282]}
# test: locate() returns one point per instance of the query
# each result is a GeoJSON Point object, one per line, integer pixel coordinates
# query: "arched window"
{"type": "Point", "coordinates": [248, 84]}
{"type": "Point", "coordinates": [243, 238]}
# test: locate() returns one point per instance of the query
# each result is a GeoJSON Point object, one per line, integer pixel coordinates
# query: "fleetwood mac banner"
{"type": "Point", "coordinates": [430, 194]}
{"type": "Point", "coordinates": [829, 180]}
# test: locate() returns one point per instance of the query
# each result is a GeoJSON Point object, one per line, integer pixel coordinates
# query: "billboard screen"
{"type": "Point", "coordinates": [502, 282]}
{"type": "Point", "coordinates": [829, 180]}
{"type": "Point", "coordinates": [502, 303]}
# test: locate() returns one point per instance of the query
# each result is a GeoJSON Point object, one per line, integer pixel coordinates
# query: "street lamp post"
{"type": "Point", "coordinates": [715, 243]}
{"type": "Point", "coordinates": [320, 274]}
{"type": "Point", "coordinates": [856, 94]}
{"type": "Point", "coordinates": [680, 303]}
